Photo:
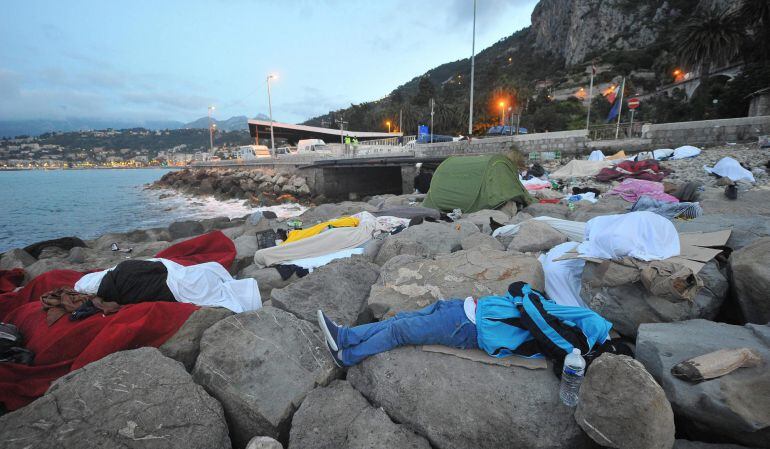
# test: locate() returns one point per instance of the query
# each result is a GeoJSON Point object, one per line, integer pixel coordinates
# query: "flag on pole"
{"type": "Point", "coordinates": [612, 95]}
{"type": "Point", "coordinates": [616, 107]}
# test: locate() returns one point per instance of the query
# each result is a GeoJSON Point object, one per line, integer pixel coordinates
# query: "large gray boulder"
{"type": "Point", "coordinates": [260, 365]}
{"type": "Point", "coordinates": [264, 443]}
{"type": "Point", "coordinates": [16, 258]}
{"type": "Point", "coordinates": [267, 279]}
{"type": "Point", "coordinates": [481, 240]}
{"type": "Point", "coordinates": [629, 305]}
{"type": "Point", "coordinates": [330, 211]}
{"type": "Point", "coordinates": [339, 417]}
{"type": "Point", "coordinates": [622, 406]}
{"type": "Point", "coordinates": [245, 247]}
{"type": "Point", "coordinates": [129, 399]}
{"type": "Point", "coordinates": [750, 274]}
{"type": "Point", "coordinates": [535, 236]}
{"type": "Point", "coordinates": [457, 403]}
{"type": "Point", "coordinates": [685, 444]}
{"type": "Point", "coordinates": [184, 345]}
{"type": "Point", "coordinates": [438, 238]}
{"type": "Point", "coordinates": [182, 229]}
{"type": "Point", "coordinates": [392, 247]}
{"type": "Point", "coordinates": [732, 407]}
{"type": "Point", "coordinates": [745, 228]}
{"type": "Point", "coordinates": [340, 289]}
{"type": "Point", "coordinates": [409, 284]}
{"type": "Point", "coordinates": [481, 218]}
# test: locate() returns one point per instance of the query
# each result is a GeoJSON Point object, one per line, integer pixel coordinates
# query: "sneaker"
{"type": "Point", "coordinates": [336, 355]}
{"type": "Point", "coordinates": [330, 329]}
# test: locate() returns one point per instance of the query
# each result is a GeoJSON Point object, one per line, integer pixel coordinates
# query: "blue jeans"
{"type": "Point", "coordinates": [441, 323]}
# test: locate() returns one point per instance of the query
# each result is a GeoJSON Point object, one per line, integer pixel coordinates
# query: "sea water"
{"type": "Point", "coordinates": [38, 205]}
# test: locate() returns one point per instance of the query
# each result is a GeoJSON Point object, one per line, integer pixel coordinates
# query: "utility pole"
{"type": "Point", "coordinates": [342, 124]}
{"type": "Point", "coordinates": [211, 131]}
{"type": "Point", "coordinates": [431, 120]}
{"type": "Point", "coordinates": [510, 114]}
{"type": "Point", "coordinates": [473, 67]}
{"type": "Point", "coordinates": [620, 110]}
{"type": "Point", "coordinates": [590, 94]}
{"type": "Point", "coordinates": [401, 121]}
{"type": "Point", "coordinates": [270, 109]}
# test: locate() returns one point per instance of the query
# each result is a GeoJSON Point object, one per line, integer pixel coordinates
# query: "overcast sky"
{"type": "Point", "coordinates": [169, 59]}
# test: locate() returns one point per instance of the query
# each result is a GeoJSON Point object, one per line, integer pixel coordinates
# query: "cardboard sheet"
{"type": "Point", "coordinates": [693, 248]}
{"type": "Point", "coordinates": [478, 355]}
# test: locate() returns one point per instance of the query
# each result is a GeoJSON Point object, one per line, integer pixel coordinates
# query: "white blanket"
{"type": "Point", "coordinates": [730, 168]}
{"type": "Point", "coordinates": [685, 151]}
{"type": "Point", "coordinates": [562, 278]}
{"type": "Point", "coordinates": [643, 235]}
{"type": "Point", "coordinates": [207, 284]}
{"type": "Point", "coordinates": [311, 263]}
{"type": "Point", "coordinates": [574, 230]}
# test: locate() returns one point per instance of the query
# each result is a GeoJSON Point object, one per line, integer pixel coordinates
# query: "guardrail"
{"type": "Point", "coordinates": [389, 141]}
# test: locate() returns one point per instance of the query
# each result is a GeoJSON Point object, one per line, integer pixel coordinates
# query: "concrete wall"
{"type": "Point", "coordinates": [706, 132]}
{"type": "Point", "coordinates": [568, 142]}
{"type": "Point", "coordinates": [760, 105]}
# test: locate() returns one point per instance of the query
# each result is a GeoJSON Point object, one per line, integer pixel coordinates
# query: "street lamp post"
{"type": "Point", "coordinates": [388, 123]}
{"type": "Point", "coordinates": [473, 67]}
{"type": "Point", "coordinates": [502, 113]}
{"type": "Point", "coordinates": [211, 131]}
{"type": "Point", "coordinates": [270, 110]}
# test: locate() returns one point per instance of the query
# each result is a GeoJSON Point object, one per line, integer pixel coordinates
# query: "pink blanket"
{"type": "Point", "coordinates": [631, 189]}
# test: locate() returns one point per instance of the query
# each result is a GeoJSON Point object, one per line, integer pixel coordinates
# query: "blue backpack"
{"type": "Point", "coordinates": [526, 323]}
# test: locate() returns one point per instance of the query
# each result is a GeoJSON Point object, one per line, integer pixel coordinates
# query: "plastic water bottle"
{"type": "Point", "coordinates": [571, 377]}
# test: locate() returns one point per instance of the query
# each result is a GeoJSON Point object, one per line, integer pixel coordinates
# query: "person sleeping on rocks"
{"type": "Point", "coordinates": [205, 284]}
{"type": "Point", "coordinates": [523, 322]}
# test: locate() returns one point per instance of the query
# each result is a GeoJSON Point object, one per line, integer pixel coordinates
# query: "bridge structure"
{"type": "Point", "coordinates": [361, 170]}
{"type": "Point", "coordinates": [294, 133]}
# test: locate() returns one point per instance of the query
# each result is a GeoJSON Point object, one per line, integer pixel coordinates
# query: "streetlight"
{"type": "Point", "coordinates": [211, 131]}
{"type": "Point", "coordinates": [388, 124]}
{"type": "Point", "coordinates": [270, 109]}
{"type": "Point", "coordinates": [502, 112]}
{"type": "Point", "coordinates": [473, 67]}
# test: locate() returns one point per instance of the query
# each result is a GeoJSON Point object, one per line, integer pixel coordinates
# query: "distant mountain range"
{"type": "Point", "coordinates": [13, 128]}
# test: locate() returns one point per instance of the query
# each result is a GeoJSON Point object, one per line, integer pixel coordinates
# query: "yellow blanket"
{"type": "Point", "coordinates": [299, 234]}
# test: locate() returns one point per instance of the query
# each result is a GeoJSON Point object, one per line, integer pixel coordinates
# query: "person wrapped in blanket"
{"type": "Point", "coordinates": [522, 322]}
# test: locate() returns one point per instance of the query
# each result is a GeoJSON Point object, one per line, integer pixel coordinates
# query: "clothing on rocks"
{"type": "Point", "coordinates": [728, 167]}
{"type": "Point", "coordinates": [633, 189]}
{"type": "Point", "coordinates": [70, 345]}
{"type": "Point", "coordinates": [11, 279]}
{"type": "Point", "coordinates": [64, 301]}
{"type": "Point", "coordinates": [441, 323]}
{"type": "Point", "coordinates": [65, 243]}
{"type": "Point", "coordinates": [577, 168]}
{"type": "Point", "coordinates": [574, 230]}
{"type": "Point", "coordinates": [322, 244]}
{"type": "Point", "coordinates": [668, 279]}
{"type": "Point", "coordinates": [535, 183]}
{"type": "Point", "coordinates": [536, 170]}
{"type": "Point", "coordinates": [133, 281]}
{"type": "Point", "coordinates": [422, 182]}
{"type": "Point", "coordinates": [643, 235]}
{"type": "Point", "coordinates": [579, 190]}
{"type": "Point", "coordinates": [590, 197]}
{"type": "Point", "coordinates": [562, 277]}
{"type": "Point", "coordinates": [288, 270]}
{"type": "Point", "coordinates": [596, 155]}
{"type": "Point", "coordinates": [649, 170]}
{"type": "Point", "coordinates": [685, 151]}
{"type": "Point", "coordinates": [669, 210]}
{"type": "Point", "coordinates": [311, 263]}
{"type": "Point", "coordinates": [658, 155]}
{"type": "Point", "coordinates": [299, 234]}
{"type": "Point", "coordinates": [205, 284]}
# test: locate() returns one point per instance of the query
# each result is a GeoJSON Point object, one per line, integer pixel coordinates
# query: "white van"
{"type": "Point", "coordinates": [250, 152]}
{"type": "Point", "coordinates": [312, 145]}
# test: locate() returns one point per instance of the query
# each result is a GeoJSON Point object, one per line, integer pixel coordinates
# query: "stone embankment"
{"type": "Point", "coordinates": [264, 379]}
{"type": "Point", "coordinates": [259, 186]}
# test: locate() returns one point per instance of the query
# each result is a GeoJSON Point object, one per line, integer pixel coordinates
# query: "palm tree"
{"type": "Point", "coordinates": [709, 39]}
{"type": "Point", "coordinates": [754, 15]}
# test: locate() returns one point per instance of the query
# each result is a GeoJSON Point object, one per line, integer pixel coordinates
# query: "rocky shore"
{"type": "Point", "coordinates": [261, 187]}
{"type": "Point", "coordinates": [264, 379]}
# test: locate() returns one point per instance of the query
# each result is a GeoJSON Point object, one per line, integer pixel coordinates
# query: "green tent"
{"type": "Point", "coordinates": [473, 183]}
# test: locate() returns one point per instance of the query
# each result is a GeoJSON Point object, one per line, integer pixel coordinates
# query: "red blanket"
{"type": "Point", "coordinates": [66, 345]}
{"type": "Point", "coordinates": [649, 170]}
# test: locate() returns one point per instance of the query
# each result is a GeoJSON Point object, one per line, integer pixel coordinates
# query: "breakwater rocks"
{"type": "Point", "coordinates": [246, 380]}
{"type": "Point", "coordinates": [259, 186]}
